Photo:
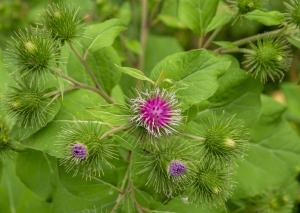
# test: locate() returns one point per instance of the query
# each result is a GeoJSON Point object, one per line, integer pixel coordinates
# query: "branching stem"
{"type": "Point", "coordinates": [114, 130]}
{"type": "Point", "coordinates": [80, 85]}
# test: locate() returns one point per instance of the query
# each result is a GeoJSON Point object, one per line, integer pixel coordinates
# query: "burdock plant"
{"type": "Point", "coordinates": [190, 131]}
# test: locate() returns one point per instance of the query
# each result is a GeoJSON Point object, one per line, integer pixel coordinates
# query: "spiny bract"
{"type": "Point", "coordinates": [84, 152]}
{"type": "Point", "coordinates": [63, 22]}
{"type": "Point", "coordinates": [270, 58]}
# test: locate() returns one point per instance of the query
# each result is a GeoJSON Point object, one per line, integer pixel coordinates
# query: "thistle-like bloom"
{"type": "Point", "coordinates": [293, 13]}
{"type": "Point", "coordinates": [157, 111]}
{"type": "Point", "coordinates": [270, 58]}
{"type": "Point", "coordinates": [79, 151]}
{"type": "Point", "coordinates": [177, 168]}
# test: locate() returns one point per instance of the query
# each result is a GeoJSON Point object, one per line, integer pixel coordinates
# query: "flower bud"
{"type": "Point", "coordinates": [225, 139]}
{"type": "Point", "coordinates": [28, 105]}
{"type": "Point", "coordinates": [33, 53]}
{"type": "Point", "coordinates": [62, 22]}
{"type": "Point", "coordinates": [245, 6]}
{"type": "Point", "coordinates": [270, 59]}
{"type": "Point", "coordinates": [292, 14]}
{"type": "Point", "coordinates": [210, 185]}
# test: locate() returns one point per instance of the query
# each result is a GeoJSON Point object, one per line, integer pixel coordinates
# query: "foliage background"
{"type": "Point", "coordinates": [29, 182]}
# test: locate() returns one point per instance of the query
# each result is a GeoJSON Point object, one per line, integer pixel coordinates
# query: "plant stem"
{"type": "Point", "coordinates": [194, 137]}
{"type": "Point", "coordinates": [143, 33]}
{"type": "Point", "coordinates": [114, 130]}
{"type": "Point", "coordinates": [57, 93]}
{"type": "Point", "coordinates": [252, 38]}
{"type": "Point", "coordinates": [200, 41]}
{"type": "Point", "coordinates": [123, 184]}
{"type": "Point", "coordinates": [91, 73]}
{"type": "Point", "coordinates": [237, 50]}
{"type": "Point", "coordinates": [83, 61]}
{"type": "Point", "coordinates": [107, 184]}
{"type": "Point", "coordinates": [212, 37]}
{"type": "Point", "coordinates": [80, 85]}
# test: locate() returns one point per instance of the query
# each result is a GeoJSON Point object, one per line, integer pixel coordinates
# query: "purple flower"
{"type": "Point", "coordinates": [157, 111]}
{"type": "Point", "coordinates": [177, 168]}
{"type": "Point", "coordinates": [79, 151]}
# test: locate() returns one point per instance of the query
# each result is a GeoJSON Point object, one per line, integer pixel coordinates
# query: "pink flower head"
{"type": "Point", "coordinates": [157, 111]}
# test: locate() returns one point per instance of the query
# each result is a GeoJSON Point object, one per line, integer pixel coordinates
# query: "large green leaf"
{"type": "Point", "coordinates": [292, 97]}
{"type": "Point", "coordinates": [223, 16]}
{"type": "Point", "coordinates": [196, 14]}
{"type": "Point", "coordinates": [102, 34]}
{"type": "Point", "coordinates": [273, 155]}
{"type": "Point", "coordinates": [103, 64]}
{"type": "Point", "coordinates": [267, 18]}
{"type": "Point", "coordinates": [238, 94]}
{"type": "Point", "coordinates": [194, 74]}
{"type": "Point", "coordinates": [15, 197]}
{"type": "Point", "coordinates": [158, 47]}
{"type": "Point", "coordinates": [35, 169]}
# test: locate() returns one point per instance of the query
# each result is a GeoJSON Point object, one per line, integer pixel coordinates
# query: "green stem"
{"type": "Point", "coordinates": [80, 85]}
{"type": "Point", "coordinates": [143, 33]}
{"type": "Point", "coordinates": [252, 38]}
{"type": "Point", "coordinates": [212, 37]}
{"type": "Point", "coordinates": [123, 184]}
{"type": "Point", "coordinates": [107, 184]}
{"type": "Point", "coordinates": [114, 130]}
{"type": "Point", "coordinates": [194, 137]}
{"type": "Point", "coordinates": [57, 93]}
{"type": "Point", "coordinates": [237, 50]}
{"type": "Point", "coordinates": [91, 74]}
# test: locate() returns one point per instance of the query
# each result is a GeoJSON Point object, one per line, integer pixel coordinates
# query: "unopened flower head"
{"type": "Point", "coordinates": [270, 58]}
{"type": "Point", "coordinates": [157, 111]}
{"type": "Point", "coordinates": [177, 168]}
{"type": "Point", "coordinates": [293, 13]}
{"type": "Point", "coordinates": [245, 6]}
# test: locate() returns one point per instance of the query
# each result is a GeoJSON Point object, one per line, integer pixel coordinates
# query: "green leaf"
{"type": "Point", "coordinates": [292, 97]}
{"type": "Point", "coordinates": [268, 18]}
{"type": "Point", "coordinates": [103, 64]}
{"type": "Point", "coordinates": [223, 16]}
{"type": "Point", "coordinates": [194, 74]}
{"type": "Point", "coordinates": [197, 15]}
{"type": "Point", "coordinates": [15, 197]}
{"type": "Point", "coordinates": [35, 170]}
{"type": "Point", "coordinates": [238, 93]}
{"type": "Point", "coordinates": [169, 14]}
{"type": "Point", "coordinates": [102, 34]}
{"type": "Point", "coordinates": [135, 73]}
{"type": "Point", "coordinates": [158, 47]}
{"type": "Point", "coordinates": [273, 142]}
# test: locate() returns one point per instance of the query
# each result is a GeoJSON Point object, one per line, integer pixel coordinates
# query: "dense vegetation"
{"type": "Point", "coordinates": [149, 106]}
